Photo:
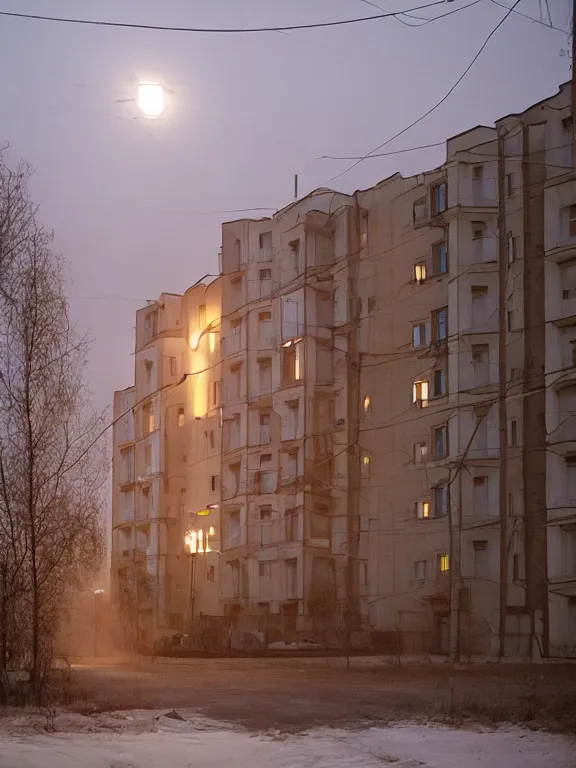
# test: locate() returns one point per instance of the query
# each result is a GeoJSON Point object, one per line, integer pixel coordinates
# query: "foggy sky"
{"type": "Point", "coordinates": [247, 112]}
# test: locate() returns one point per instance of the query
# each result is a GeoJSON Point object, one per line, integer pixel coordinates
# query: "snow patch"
{"type": "Point", "coordinates": [145, 739]}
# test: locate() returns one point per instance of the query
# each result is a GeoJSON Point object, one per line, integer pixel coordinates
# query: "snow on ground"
{"type": "Point", "coordinates": [151, 740]}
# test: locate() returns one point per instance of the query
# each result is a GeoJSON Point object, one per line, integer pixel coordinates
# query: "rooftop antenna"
{"type": "Point", "coordinates": [295, 186]}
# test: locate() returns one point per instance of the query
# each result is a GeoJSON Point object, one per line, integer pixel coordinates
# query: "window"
{"type": "Point", "coordinates": [572, 221]}
{"type": "Point", "coordinates": [440, 324]}
{"type": "Point", "coordinates": [440, 501]}
{"type": "Point", "coordinates": [173, 366]}
{"type": "Point", "coordinates": [443, 562]}
{"type": "Point", "coordinates": [291, 578]}
{"type": "Point", "coordinates": [420, 453]}
{"type": "Point", "coordinates": [481, 363]}
{"type": "Point", "coordinates": [479, 300]}
{"type": "Point", "coordinates": [231, 524]}
{"type": "Point", "coordinates": [233, 382]}
{"type": "Point", "coordinates": [292, 525]}
{"type": "Point", "coordinates": [290, 467]}
{"type": "Point", "coordinates": [264, 375]}
{"type": "Point", "coordinates": [420, 570]}
{"type": "Point", "coordinates": [439, 382]}
{"type": "Point", "coordinates": [439, 258]}
{"type": "Point", "coordinates": [480, 500]}
{"type": "Point", "coordinates": [516, 567]}
{"type": "Point", "coordinates": [212, 440]}
{"type": "Point", "coordinates": [477, 172]}
{"type": "Point", "coordinates": [215, 482]}
{"type": "Point", "coordinates": [513, 433]}
{"type": "Point", "coordinates": [211, 574]}
{"type": "Point", "coordinates": [294, 246]}
{"type": "Point", "coordinates": [265, 460]}
{"type": "Point", "coordinates": [367, 404]}
{"type": "Point", "coordinates": [420, 393]}
{"type": "Point", "coordinates": [511, 246]}
{"type": "Point", "coordinates": [202, 317]}
{"type": "Point", "coordinates": [320, 522]}
{"type": "Point", "coordinates": [567, 123]}
{"type": "Point", "coordinates": [265, 327]}
{"type": "Point", "coordinates": [265, 570]}
{"type": "Point", "coordinates": [215, 392]}
{"type": "Point", "coordinates": [420, 272]}
{"type": "Point", "coordinates": [480, 559]}
{"type": "Point", "coordinates": [264, 428]}
{"type": "Point", "coordinates": [293, 363]}
{"type": "Point", "coordinates": [366, 466]}
{"type": "Point", "coordinates": [265, 276]}
{"type": "Point", "coordinates": [292, 419]}
{"type": "Point", "coordinates": [419, 211]}
{"type": "Point", "coordinates": [510, 320]}
{"type": "Point", "coordinates": [509, 185]}
{"type": "Point", "coordinates": [422, 510]}
{"type": "Point", "coordinates": [571, 478]}
{"type": "Point", "coordinates": [265, 246]}
{"type": "Point", "coordinates": [439, 198]}
{"type": "Point", "coordinates": [180, 417]}
{"type": "Point", "coordinates": [419, 335]}
{"type": "Point", "coordinates": [148, 419]}
{"type": "Point", "coordinates": [266, 512]}
{"type": "Point", "coordinates": [440, 442]}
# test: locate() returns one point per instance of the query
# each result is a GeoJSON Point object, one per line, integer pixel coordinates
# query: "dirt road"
{"type": "Point", "coordinates": [294, 694]}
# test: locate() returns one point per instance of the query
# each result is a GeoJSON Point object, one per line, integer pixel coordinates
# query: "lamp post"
{"type": "Point", "coordinates": [97, 594]}
{"type": "Point", "coordinates": [197, 541]}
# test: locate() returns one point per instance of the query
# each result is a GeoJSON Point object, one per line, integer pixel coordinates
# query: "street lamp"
{"type": "Point", "coordinates": [97, 593]}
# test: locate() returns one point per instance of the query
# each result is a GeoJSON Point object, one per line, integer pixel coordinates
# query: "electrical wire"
{"type": "Point", "coordinates": [214, 30]}
{"type": "Point", "coordinates": [531, 18]}
{"type": "Point", "coordinates": [437, 104]}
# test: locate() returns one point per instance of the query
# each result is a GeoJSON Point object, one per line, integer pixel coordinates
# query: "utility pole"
{"type": "Point", "coordinates": [502, 412]}
{"type": "Point", "coordinates": [573, 84]}
{"type": "Point", "coordinates": [353, 410]}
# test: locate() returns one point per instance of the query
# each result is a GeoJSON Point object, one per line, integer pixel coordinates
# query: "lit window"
{"type": "Point", "coordinates": [420, 271]}
{"type": "Point", "coordinates": [366, 466]}
{"type": "Point", "coordinates": [367, 403]}
{"type": "Point", "coordinates": [298, 363]}
{"type": "Point", "coordinates": [212, 341]}
{"type": "Point", "coordinates": [422, 510]}
{"type": "Point", "coordinates": [420, 393]}
{"type": "Point", "coordinates": [443, 563]}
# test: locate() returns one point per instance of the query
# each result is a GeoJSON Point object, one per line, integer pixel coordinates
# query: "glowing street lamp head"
{"type": "Point", "coordinates": [151, 99]}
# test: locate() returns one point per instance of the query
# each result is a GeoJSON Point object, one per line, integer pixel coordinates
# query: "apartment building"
{"type": "Point", "coordinates": [165, 443]}
{"type": "Point", "coordinates": [366, 435]}
{"type": "Point", "coordinates": [540, 209]}
{"type": "Point", "coordinates": [284, 499]}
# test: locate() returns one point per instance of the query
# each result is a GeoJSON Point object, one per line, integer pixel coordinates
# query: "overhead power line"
{"type": "Point", "coordinates": [438, 103]}
{"type": "Point", "coordinates": [214, 30]}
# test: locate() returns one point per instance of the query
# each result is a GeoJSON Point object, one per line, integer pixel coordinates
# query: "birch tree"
{"type": "Point", "coordinates": [52, 466]}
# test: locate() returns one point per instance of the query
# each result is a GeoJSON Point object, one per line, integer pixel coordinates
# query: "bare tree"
{"type": "Point", "coordinates": [52, 468]}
